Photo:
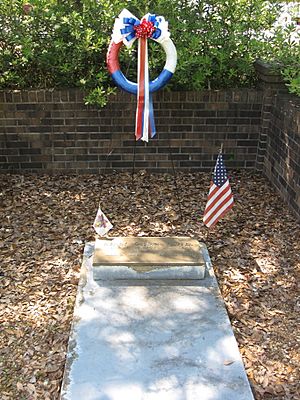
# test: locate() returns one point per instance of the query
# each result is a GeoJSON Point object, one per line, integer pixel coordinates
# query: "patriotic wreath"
{"type": "Point", "coordinates": [127, 29]}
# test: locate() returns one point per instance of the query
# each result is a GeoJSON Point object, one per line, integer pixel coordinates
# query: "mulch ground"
{"type": "Point", "coordinates": [45, 221]}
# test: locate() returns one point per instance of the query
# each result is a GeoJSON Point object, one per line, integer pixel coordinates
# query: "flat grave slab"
{"type": "Point", "coordinates": [148, 258]}
{"type": "Point", "coordinates": [152, 340]}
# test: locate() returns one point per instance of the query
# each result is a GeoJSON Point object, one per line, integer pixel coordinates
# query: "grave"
{"type": "Point", "coordinates": [148, 258]}
{"type": "Point", "coordinates": [138, 335]}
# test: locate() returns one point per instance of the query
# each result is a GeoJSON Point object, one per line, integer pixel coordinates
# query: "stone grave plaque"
{"type": "Point", "coordinates": [148, 257]}
{"type": "Point", "coordinates": [159, 340]}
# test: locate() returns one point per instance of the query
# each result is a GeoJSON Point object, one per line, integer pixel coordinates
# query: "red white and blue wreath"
{"type": "Point", "coordinates": [127, 29]}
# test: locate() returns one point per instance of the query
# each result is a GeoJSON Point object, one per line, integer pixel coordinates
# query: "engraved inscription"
{"type": "Point", "coordinates": [148, 251]}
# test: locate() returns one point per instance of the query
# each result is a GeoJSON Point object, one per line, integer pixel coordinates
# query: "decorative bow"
{"type": "Point", "coordinates": [128, 28]}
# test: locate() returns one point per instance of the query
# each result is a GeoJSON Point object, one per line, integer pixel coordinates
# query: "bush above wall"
{"type": "Point", "coordinates": [62, 43]}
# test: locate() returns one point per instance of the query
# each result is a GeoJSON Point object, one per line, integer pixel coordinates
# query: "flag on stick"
{"type": "Point", "coordinates": [220, 198]}
{"type": "Point", "coordinates": [102, 224]}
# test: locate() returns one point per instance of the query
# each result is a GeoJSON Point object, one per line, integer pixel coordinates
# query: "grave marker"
{"type": "Point", "coordinates": [148, 258]}
{"type": "Point", "coordinates": [158, 339]}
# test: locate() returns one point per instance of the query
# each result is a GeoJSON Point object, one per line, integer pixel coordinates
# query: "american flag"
{"type": "Point", "coordinates": [220, 198]}
{"type": "Point", "coordinates": [102, 224]}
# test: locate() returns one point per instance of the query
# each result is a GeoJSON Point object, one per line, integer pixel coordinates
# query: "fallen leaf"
{"type": "Point", "coordinates": [228, 362]}
{"type": "Point", "coordinates": [46, 220]}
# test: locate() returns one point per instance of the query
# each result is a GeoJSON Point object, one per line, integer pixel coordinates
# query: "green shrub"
{"type": "Point", "coordinates": [286, 48]}
{"type": "Point", "coordinates": [57, 44]}
{"type": "Point", "coordinates": [64, 43]}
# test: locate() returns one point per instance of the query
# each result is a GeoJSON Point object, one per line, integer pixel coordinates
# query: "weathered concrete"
{"type": "Point", "coordinates": [104, 272]}
{"type": "Point", "coordinates": [152, 340]}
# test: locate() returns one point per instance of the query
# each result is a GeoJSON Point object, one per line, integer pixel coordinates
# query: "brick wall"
{"type": "Point", "coordinates": [53, 131]}
{"type": "Point", "coordinates": [270, 83]}
{"type": "Point", "coordinates": [278, 152]}
{"type": "Point", "coordinates": [282, 159]}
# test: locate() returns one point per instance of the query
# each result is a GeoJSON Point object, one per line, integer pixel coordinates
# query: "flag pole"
{"type": "Point", "coordinates": [101, 223]}
{"type": "Point", "coordinates": [221, 148]}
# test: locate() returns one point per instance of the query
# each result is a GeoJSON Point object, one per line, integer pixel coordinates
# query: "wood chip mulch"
{"type": "Point", "coordinates": [46, 220]}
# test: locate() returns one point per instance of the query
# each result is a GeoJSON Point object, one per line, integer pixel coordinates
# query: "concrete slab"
{"type": "Point", "coordinates": [120, 272]}
{"type": "Point", "coordinates": [152, 340]}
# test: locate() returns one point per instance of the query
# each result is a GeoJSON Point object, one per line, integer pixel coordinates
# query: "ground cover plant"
{"type": "Point", "coordinates": [46, 220]}
{"type": "Point", "coordinates": [45, 44]}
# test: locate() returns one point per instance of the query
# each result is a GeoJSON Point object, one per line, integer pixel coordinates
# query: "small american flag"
{"type": "Point", "coordinates": [220, 198]}
{"type": "Point", "coordinates": [102, 224]}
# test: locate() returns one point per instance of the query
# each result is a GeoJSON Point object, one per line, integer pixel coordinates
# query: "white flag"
{"type": "Point", "coordinates": [102, 224]}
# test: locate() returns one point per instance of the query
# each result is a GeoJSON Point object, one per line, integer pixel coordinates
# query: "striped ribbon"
{"type": "Point", "coordinates": [144, 124]}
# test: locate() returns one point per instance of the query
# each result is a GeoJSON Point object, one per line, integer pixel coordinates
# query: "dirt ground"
{"type": "Point", "coordinates": [46, 220]}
